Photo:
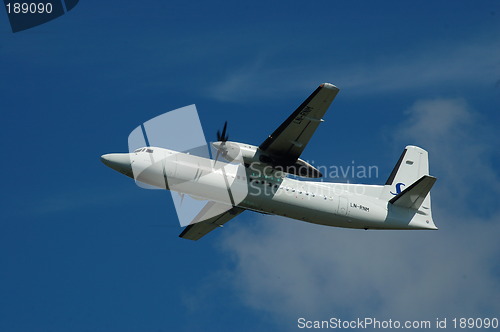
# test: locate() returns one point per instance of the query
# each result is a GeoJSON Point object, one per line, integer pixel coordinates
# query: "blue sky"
{"type": "Point", "coordinates": [82, 248]}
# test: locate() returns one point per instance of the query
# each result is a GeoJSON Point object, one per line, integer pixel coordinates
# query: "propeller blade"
{"type": "Point", "coordinates": [221, 137]}
{"type": "Point", "coordinates": [224, 138]}
{"type": "Point", "coordinates": [217, 157]}
{"type": "Point", "coordinates": [182, 198]}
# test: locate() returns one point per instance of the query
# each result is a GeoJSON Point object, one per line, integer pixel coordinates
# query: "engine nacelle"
{"type": "Point", "coordinates": [249, 154]}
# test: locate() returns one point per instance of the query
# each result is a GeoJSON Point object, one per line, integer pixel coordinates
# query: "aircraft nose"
{"type": "Point", "coordinates": [117, 161]}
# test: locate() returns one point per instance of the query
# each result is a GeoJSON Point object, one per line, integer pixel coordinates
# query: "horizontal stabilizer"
{"type": "Point", "coordinates": [413, 196]}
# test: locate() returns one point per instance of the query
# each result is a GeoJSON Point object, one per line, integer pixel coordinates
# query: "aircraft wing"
{"type": "Point", "coordinates": [197, 229]}
{"type": "Point", "coordinates": [286, 143]}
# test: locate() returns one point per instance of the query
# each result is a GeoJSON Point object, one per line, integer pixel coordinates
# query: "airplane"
{"type": "Point", "coordinates": [257, 178]}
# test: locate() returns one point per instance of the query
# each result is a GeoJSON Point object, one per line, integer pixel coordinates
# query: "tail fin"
{"type": "Point", "coordinates": [412, 165]}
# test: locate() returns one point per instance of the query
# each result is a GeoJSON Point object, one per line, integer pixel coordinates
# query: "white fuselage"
{"type": "Point", "coordinates": [254, 188]}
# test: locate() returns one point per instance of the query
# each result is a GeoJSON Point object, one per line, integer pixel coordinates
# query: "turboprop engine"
{"type": "Point", "coordinates": [250, 154]}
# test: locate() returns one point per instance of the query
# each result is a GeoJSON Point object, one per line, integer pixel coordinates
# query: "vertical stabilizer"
{"type": "Point", "coordinates": [411, 166]}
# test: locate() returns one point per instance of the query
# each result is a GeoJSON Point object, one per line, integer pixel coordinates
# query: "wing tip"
{"type": "Point", "coordinates": [328, 86]}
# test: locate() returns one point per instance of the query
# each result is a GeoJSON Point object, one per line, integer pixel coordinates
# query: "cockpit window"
{"type": "Point", "coordinates": [144, 150]}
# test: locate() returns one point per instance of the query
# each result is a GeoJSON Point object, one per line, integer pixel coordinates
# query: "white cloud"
{"type": "Point", "coordinates": [464, 65]}
{"type": "Point", "coordinates": [256, 80]}
{"type": "Point", "coordinates": [291, 269]}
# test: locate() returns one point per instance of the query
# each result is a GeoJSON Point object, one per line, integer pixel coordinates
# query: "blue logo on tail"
{"type": "Point", "coordinates": [398, 188]}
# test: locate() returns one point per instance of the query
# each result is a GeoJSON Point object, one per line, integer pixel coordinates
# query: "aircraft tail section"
{"type": "Point", "coordinates": [411, 177]}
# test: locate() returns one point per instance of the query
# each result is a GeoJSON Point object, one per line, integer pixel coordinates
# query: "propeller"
{"type": "Point", "coordinates": [221, 137]}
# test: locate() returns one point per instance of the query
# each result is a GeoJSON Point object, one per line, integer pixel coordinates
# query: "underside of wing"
{"type": "Point", "coordinates": [197, 229]}
{"type": "Point", "coordinates": [285, 145]}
